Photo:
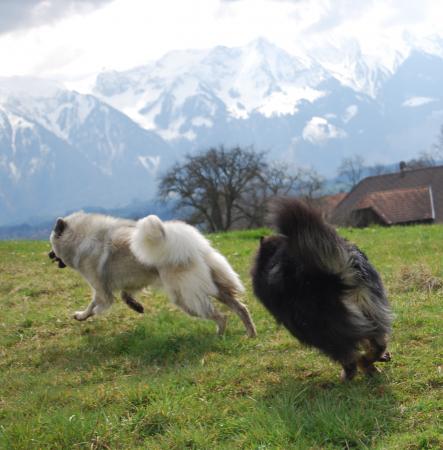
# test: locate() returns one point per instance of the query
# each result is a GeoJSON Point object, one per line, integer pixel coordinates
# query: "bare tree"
{"type": "Point", "coordinates": [211, 184]}
{"type": "Point", "coordinates": [310, 184]}
{"type": "Point", "coordinates": [425, 159]}
{"type": "Point", "coordinates": [438, 146]}
{"type": "Point", "coordinates": [275, 180]}
{"type": "Point", "coordinates": [378, 169]}
{"type": "Point", "coordinates": [351, 170]}
{"type": "Point", "coordinates": [428, 158]}
{"type": "Point", "coordinates": [222, 189]}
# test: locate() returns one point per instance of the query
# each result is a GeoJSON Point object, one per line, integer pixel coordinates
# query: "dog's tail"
{"type": "Point", "coordinates": [310, 238]}
{"type": "Point", "coordinates": [147, 232]}
{"type": "Point", "coordinates": [151, 227]}
{"type": "Point", "coordinates": [316, 244]}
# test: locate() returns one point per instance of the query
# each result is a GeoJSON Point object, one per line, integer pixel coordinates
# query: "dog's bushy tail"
{"type": "Point", "coordinates": [146, 232]}
{"type": "Point", "coordinates": [310, 238]}
{"type": "Point", "coordinates": [316, 245]}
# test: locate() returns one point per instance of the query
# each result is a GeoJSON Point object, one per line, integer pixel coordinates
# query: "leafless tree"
{"type": "Point", "coordinates": [351, 170]}
{"type": "Point", "coordinates": [275, 180]}
{"type": "Point", "coordinates": [438, 146]}
{"type": "Point", "coordinates": [429, 158]}
{"type": "Point", "coordinates": [222, 189]}
{"type": "Point", "coordinates": [377, 169]}
{"type": "Point", "coordinates": [310, 184]}
{"type": "Point", "coordinates": [425, 159]}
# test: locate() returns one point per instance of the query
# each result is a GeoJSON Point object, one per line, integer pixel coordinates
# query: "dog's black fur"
{"type": "Point", "coordinates": [322, 288]}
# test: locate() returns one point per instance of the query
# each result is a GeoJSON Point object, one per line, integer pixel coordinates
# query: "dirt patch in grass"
{"type": "Point", "coordinates": [417, 277]}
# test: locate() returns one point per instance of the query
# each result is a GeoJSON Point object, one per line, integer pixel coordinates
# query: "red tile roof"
{"type": "Point", "coordinates": [417, 178]}
{"type": "Point", "coordinates": [327, 203]}
{"type": "Point", "coordinates": [400, 205]}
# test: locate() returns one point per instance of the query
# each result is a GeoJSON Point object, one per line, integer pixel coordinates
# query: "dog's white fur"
{"type": "Point", "coordinates": [97, 246]}
{"type": "Point", "coordinates": [190, 269]}
{"type": "Point", "coordinates": [122, 255]}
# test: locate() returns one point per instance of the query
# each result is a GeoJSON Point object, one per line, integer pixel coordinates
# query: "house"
{"type": "Point", "coordinates": [405, 197]}
{"type": "Point", "coordinates": [327, 204]}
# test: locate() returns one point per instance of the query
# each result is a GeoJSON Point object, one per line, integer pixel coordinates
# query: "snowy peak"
{"type": "Point", "coordinates": [62, 150]}
{"type": "Point", "coordinates": [360, 69]}
{"type": "Point", "coordinates": [171, 94]}
{"type": "Point", "coordinates": [258, 78]}
{"type": "Point", "coordinates": [47, 103]}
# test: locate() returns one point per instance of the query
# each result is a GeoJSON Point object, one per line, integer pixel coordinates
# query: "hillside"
{"type": "Point", "coordinates": [61, 150]}
{"type": "Point", "coordinates": [165, 381]}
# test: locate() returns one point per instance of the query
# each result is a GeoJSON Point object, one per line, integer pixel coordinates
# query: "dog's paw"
{"type": "Point", "coordinates": [251, 332]}
{"type": "Point", "coordinates": [348, 372]}
{"type": "Point", "coordinates": [386, 357]}
{"type": "Point", "coordinates": [346, 375]}
{"type": "Point", "coordinates": [80, 316]}
{"type": "Point", "coordinates": [221, 325]}
{"type": "Point", "coordinates": [371, 371]}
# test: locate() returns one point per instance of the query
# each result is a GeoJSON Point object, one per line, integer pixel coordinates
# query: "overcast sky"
{"type": "Point", "coordinates": [70, 39]}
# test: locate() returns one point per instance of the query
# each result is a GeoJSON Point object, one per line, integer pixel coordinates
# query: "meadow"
{"type": "Point", "coordinates": [163, 380]}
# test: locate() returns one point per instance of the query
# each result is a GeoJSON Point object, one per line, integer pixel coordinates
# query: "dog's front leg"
{"type": "Point", "coordinates": [101, 301]}
{"type": "Point", "coordinates": [88, 312]}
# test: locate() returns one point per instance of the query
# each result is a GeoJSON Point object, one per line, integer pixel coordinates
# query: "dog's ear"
{"type": "Point", "coordinates": [261, 239]}
{"type": "Point", "coordinates": [60, 226]}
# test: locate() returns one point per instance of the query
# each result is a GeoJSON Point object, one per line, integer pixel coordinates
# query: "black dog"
{"type": "Point", "coordinates": [322, 289]}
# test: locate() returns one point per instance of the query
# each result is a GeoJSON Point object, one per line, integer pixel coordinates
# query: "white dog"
{"type": "Point", "coordinates": [122, 255]}
{"type": "Point", "coordinates": [191, 271]}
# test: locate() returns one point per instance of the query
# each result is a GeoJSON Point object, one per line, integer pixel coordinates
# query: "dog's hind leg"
{"type": "Point", "coordinates": [202, 308]}
{"type": "Point", "coordinates": [240, 309]}
{"type": "Point", "coordinates": [131, 302]}
{"type": "Point", "coordinates": [221, 321]}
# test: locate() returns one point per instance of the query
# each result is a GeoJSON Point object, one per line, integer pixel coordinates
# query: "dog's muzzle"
{"type": "Point", "coordinates": [55, 258]}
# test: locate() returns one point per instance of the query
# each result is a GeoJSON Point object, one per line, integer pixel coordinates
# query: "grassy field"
{"type": "Point", "coordinates": [163, 380]}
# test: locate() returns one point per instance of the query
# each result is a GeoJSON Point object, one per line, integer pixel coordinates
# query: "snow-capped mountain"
{"type": "Point", "coordinates": [365, 73]}
{"type": "Point", "coordinates": [186, 90]}
{"type": "Point", "coordinates": [258, 78]}
{"type": "Point", "coordinates": [314, 109]}
{"type": "Point", "coordinates": [61, 150]}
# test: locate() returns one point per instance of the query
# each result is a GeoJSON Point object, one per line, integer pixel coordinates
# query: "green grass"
{"type": "Point", "coordinates": [163, 380]}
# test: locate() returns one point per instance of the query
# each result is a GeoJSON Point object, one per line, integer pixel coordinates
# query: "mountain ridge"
{"type": "Point", "coordinates": [64, 150]}
{"type": "Point", "coordinates": [61, 149]}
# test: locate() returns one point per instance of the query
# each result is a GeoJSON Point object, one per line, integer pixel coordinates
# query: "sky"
{"type": "Point", "coordinates": [72, 39]}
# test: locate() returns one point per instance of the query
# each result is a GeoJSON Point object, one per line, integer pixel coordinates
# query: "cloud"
{"type": "Point", "coordinates": [120, 34]}
{"type": "Point", "coordinates": [22, 14]}
{"type": "Point", "coordinates": [318, 130]}
{"type": "Point", "coordinates": [418, 101]}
